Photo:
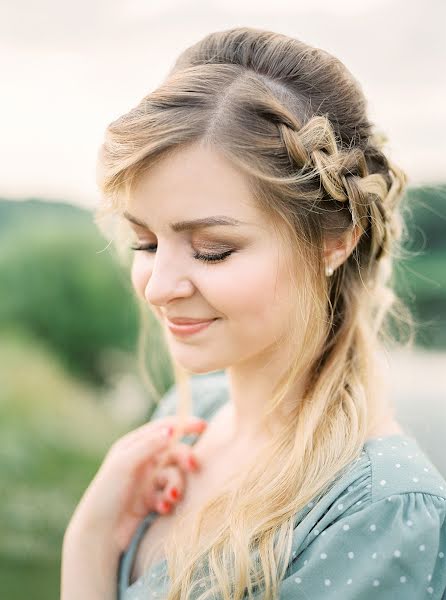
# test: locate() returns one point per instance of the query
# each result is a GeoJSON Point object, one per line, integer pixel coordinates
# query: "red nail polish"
{"type": "Point", "coordinates": [165, 506]}
{"type": "Point", "coordinates": [192, 462]}
{"type": "Point", "coordinates": [174, 493]}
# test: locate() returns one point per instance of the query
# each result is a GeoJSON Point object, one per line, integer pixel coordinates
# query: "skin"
{"type": "Point", "coordinates": [113, 506]}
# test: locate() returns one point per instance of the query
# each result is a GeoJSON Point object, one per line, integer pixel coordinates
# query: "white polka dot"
{"type": "Point", "coordinates": [441, 487]}
{"type": "Point", "coordinates": [346, 527]}
{"type": "Point", "coordinates": [389, 499]}
{"type": "Point", "coordinates": [323, 556]}
{"type": "Point", "coordinates": [409, 523]}
{"type": "Point", "coordinates": [380, 453]}
{"type": "Point", "coordinates": [397, 553]}
{"type": "Point", "coordinates": [376, 582]}
{"type": "Point", "coordinates": [305, 562]}
{"type": "Point", "coordinates": [359, 502]}
{"type": "Point", "coordinates": [310, 504]}
{"type": "Point", "coordinates": [297, 579]}
{"type": "Point", "coordinates": [350, 488]}
{"type": "Point", "coordinates": [397, 465]}
{"type": "Point", "coordinates": [393, 447]}
{"type": "Point", "coordinates": [403, 579]}
{"type": "Point", "coordinates": [429, 577]}
{"type": "Point", "coordinates": [374, 555]}
{"type": "Point", "coordinates": [415, 479]}
{"type": "Point", "coordinates": [316, 532]}
{"type": "Point", "coordinates": [426, 469]}
{"type": "Point", "coordinates": [327, 582]}
{"type": "Point", "coordinates": [373, 527]}
{"type": "Point", "coordinates": [323, 533]}
{"type": "Point", "coordinates": [422, 548]}
{"type": "Point", "coordinates": [340, 506]}
{"type": "Point", "coordinates": [202, 584]}
{"type": "Point", "coordinates": [382, 482]}
{"type": "Point", "coordinates": [351, 554]}
{"type": "Point", "coordinates": [380, 439]}
{"type": "Point", "coordinates": [349, 581]}
{"type": "Point", "coordinates": [368, 486]}
{"type": "Point", "coordinates": [441, 554]}
{"type": "Point", "coordinates": [430, 590]}
{"type": "Point", "coordinates": [409, 456]}
{"type": "Point", "coordinates": [404, 443]}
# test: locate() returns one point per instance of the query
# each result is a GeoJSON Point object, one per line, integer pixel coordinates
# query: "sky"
{"type": "Point", "coordinates": [69, 68]}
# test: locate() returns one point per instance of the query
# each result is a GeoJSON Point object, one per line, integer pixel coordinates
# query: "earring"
{"type": "Point", "coordinates": [329, 271]}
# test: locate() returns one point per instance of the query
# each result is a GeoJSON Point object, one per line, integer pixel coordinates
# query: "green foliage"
{"type": "Point", "coordinates": [420, 278]}
{"type": "Point", "coordinates": [58, 281]}
{"type": "Point", "coordinates": [54, 433]}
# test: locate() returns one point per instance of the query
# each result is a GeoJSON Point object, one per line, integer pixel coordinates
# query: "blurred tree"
{"type": "Point", "coordinates": [421, 277]}
{"type": "Point", "coordinates": [58, 283]}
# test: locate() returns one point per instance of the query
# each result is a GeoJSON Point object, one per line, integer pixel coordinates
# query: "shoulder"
{"type": "Point", "coordinates": [381, 525]}
{"type": "Point", "coordinates": [390, 471]}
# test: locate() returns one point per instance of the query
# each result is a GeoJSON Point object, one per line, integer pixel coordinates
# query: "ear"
{"type": "Point", "coordinates": [337, 250]}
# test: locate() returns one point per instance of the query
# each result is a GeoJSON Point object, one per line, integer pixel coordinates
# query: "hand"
{"type": "Point", "coordinates": [136, 477]}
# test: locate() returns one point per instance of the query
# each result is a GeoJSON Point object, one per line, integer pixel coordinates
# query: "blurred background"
{"type": "Point", "coordinates": [69, 384]}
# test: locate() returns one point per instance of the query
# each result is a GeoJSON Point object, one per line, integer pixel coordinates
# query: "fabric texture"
{"type": "Point", "coordinates": [380, 532]}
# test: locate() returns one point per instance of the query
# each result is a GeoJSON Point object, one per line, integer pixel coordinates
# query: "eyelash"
{"type": "Point", "coordinates": [204, 257]}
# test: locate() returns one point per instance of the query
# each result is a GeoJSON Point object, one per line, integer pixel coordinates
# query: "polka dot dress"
{"type": "Point", "coordinates": [380, 532]}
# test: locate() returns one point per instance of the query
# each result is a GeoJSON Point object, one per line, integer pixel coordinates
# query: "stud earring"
{"type": "Point", "coordinates": [329, 271]}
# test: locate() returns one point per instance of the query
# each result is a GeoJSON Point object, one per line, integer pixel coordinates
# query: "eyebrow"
{"type": "Point", "coordinates": [190, 225]}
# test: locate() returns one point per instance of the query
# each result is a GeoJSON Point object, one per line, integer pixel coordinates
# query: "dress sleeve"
{"type": "Point", "coordinates": [392, 549]}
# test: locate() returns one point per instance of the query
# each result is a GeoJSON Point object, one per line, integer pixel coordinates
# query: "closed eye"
{"type": "Point", "coordinates": [151, 248]}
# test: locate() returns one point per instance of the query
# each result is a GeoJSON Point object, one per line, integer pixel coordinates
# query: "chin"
{"type": "Point", "coordinates": [200, 367]}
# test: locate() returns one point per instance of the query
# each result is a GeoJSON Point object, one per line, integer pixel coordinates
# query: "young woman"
{"type": "Point", "coordinates": [265, 218]}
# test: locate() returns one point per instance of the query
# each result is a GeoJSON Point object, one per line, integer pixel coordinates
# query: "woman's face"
{"type": "Point", "coordinates": [247, 290]}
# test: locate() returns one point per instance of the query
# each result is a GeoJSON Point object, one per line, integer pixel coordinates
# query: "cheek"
{"type": "Point", "coordinates": [254, 291]}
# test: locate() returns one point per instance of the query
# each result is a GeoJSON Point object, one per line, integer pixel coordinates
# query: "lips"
{"type": "Point", "coordinates": [186, 329]}
{"type": "Point", "coordinates": [187, 321]}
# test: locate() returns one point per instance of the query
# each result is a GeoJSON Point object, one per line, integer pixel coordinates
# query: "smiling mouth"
{"type": "Point", "coordinates": [190, 328]}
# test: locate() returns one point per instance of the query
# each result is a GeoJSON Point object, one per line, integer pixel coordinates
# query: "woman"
{"type": "Point", "coordinates": [260, 204]}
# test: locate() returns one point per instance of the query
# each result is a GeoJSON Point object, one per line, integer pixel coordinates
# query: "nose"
{"type": "Point", "coordinates": [169, 278]}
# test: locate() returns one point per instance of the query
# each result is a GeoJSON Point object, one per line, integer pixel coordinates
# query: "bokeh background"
{"type": "Point", "coordinates": [69, 382]}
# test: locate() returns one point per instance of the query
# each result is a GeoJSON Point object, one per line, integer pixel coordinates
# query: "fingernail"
{"type": "Point", "coordinates": [165, 506]}
{"type": "Point", "coordinates": [192, 462]}
{"type": "Point", "coordinates": [174, 493]}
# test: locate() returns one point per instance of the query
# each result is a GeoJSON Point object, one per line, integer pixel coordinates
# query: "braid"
{"type": "Point", "coordinates": [361, 178]}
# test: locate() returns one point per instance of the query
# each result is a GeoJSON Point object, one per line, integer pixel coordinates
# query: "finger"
{"type": "Point", "coordinates": [183, 455]}
{"type": "Point", "coordinates": [167, 479]}
{"type": "Point", "coordinates": [171, 489]}
{"type": "Point", "coordinates": [181, 425]}
{"type": "Point", "coordinates": [132, 456]}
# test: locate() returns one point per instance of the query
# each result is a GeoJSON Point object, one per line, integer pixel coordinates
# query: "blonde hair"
{"type": "Point", "coordinates": [293, 119]}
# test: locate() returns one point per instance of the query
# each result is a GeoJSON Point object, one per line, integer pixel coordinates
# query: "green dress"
{"type": "Point", "coordinates": [380, 532]}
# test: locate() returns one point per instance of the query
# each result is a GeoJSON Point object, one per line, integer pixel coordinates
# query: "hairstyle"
{"type": "Point", "coordinates": [293, 120]}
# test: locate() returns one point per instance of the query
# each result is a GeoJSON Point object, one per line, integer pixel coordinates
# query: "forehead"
{"type": "Point", "coordinates": [191, 183]}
